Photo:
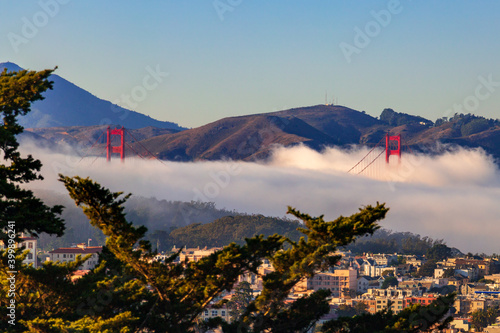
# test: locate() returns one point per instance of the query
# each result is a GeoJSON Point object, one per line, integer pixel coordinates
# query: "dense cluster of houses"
{"type": "Point", "coordinates": [360, 279]}
{"type": "Point", "coordinates": [356, 279]}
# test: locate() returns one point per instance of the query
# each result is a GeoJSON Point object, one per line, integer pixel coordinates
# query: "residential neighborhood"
{"type": "Point", "coordinates": [359, 283]}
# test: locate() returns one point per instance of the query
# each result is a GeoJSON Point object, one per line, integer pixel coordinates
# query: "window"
{"type": "Point", "coordinates": [30, 245]}
{"type": "Point", "coordinates": [30, 256]}
{"type": "Point", "coordinates": [64, 255]}
{"type": "Point", "coordinates": [206, 313]}
{"type": "Point", "coordinates": [71, 256]}
{"type": "Point", "coordinates": [214, 313]}
{"type": "Point", "coordinates": [223, 313]}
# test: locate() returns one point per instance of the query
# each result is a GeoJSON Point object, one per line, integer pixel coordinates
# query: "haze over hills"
{"type": "Point", "coordinates": [89, 135]}
{"type": "Point", "coordinates": [69, 105]}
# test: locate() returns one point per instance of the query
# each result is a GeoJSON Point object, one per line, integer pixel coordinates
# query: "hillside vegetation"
{"type": "Point", "coordinates": [228, 229]}
{"type": "Point", "coordinates": [195, 223]}
{"type": "Point", "coordinates": [160, 216]}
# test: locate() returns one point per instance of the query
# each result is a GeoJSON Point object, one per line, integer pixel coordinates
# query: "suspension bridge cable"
{"type": "Point", "coordinates": [372, 161]}
{"type": "Point", "coordinates": [135, 151]}
{"type": "Point", "coordinates": [97, 156]}
{"type": "Point", "coordinates": [150, 153]}
{"type": "Point", "coordinates": [366, 156]}
{"type": "Point", "coordinates": [86, 152]}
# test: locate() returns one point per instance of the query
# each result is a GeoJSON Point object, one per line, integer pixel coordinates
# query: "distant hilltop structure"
{"type": "Point", "coordinates": [333, 101]}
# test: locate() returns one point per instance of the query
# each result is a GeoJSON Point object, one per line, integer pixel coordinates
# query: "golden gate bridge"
{"type": "Point", "coordinates": [374, 164]}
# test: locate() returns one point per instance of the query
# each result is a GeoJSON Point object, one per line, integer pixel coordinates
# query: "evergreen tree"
{"type": "Point", "coordinates": [439, 252]}
{"type": "Point", "coordinates": [427, 269]}
{"type": "Point", "coordinates": [181, 292]}
{"type": "Point", "coordinates": [241, 299]}
{"type": "Point", "coordinates": [449, 272]}
{"type": "Point", "coordinates": [482, 318]}
{"type": "Point", "coordinates": [17, 91]}
{"type": "Point", "coordinates": [389, 281]}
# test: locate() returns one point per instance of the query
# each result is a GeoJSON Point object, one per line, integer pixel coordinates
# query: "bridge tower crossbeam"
{"type": "Point", "coordinates": [389, 147]}
{"type": "Point", "coordinates": [115, 149]}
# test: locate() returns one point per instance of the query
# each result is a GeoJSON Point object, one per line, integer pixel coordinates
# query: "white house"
{"type": "Point", "coordinates": [363, 284]}
{"type": "Point", "coordinates": [29, 243]}
{"type": "Point", "coordinates": [66, 254]}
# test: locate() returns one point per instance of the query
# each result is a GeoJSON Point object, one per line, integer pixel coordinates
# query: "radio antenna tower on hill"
{"type": "Point", "coordinates": [326, 99]}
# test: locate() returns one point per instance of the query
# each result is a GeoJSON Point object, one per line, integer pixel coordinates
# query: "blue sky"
{"type": "Point", "coordinates": [261, 56]}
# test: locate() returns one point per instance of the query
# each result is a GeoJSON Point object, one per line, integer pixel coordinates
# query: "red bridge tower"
{"type": "Point", "coordinates": [388, 147]}
{"type": "Point", "coordinates": [115, 149]}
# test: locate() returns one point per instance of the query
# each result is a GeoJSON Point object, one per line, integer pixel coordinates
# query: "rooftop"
{"type": "Point", "coordinates": [78, 250]}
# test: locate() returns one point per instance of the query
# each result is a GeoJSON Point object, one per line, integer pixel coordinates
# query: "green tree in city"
{"type": "Point", "coordinates": [361, 308]}
{"type": "Point", "coordinates": [388, 272]}
{"type": "Point", "coordinates": [427, 269]}
{"type": "Point", "coordinates": [240, 300]}
{"type": "Point", "coordinates": [345, 310]}
{"type": "Point", "coordinates": [483, 318]}
{"type": "Point", "coordinates": [389, 281]}
{"type": "Point", "coordinates": [438, 252]}
{"type": "Point", "coordinates": [449, 272]}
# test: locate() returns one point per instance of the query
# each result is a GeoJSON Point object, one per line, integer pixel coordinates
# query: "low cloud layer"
{"type": "Point", "coordinates": [454, 196]}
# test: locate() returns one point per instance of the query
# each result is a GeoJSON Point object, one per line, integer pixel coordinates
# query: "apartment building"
{"type": "Point", "coordinates": [337, 282]}
{"type": "Point", "coordinates": [211, 312]}
{"type": "Point", "coordinates": [380, 303]}
{"type": "Point", "coordinates": [195, 254]}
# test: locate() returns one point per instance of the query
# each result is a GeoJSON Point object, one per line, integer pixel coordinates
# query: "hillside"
{"type": "Point", "coordinates": [238, 138]}
{"type": "Point", "coordinates": [341, 123]}
{"type": "Point", "coordinates": [69, 105]}
{"type": "Point", "coordinates": [159, 216]}
{"type": "Point", "coordinates": [226, 230]}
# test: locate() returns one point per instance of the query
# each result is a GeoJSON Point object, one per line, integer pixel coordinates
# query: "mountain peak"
{"type": "Point", "coordinates": [11, 67]}
{"type": "Point", "coordinates": [70, 105]}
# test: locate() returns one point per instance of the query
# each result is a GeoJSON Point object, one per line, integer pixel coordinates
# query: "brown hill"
{"type": "Point", "coordinates": [239, 138]}
{"type": "Point", "coordinates": [344, 124]}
